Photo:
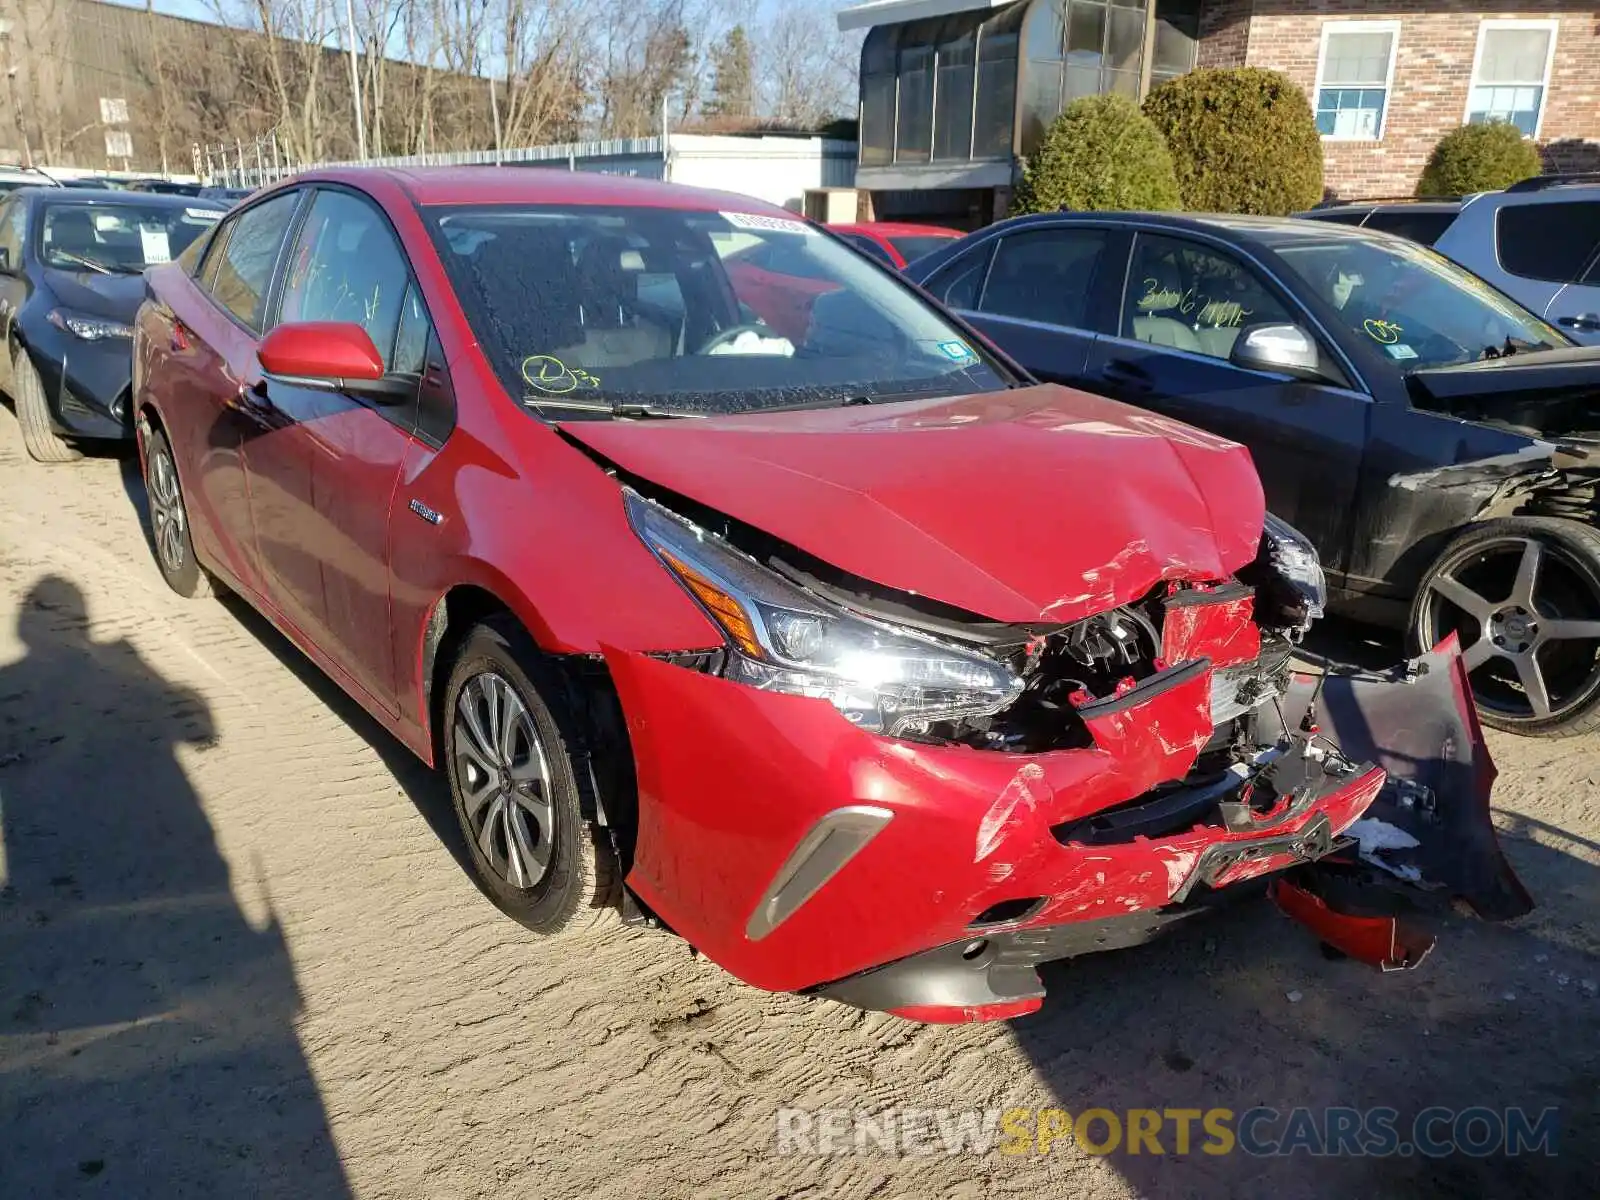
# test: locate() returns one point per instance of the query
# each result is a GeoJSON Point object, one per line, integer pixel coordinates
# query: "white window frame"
{"type": "Point", "coordinates": [1333, 28]}
{"type": "Point", "coordinates": [1489, 24]}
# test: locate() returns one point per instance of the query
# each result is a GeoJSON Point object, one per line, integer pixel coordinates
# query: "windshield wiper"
{"type": "Point", "coordinates": [87, 262]}
{"type": "Point", "coordinates": [626, 412]}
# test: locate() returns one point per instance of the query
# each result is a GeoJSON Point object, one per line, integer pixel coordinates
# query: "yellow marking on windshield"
{"type": "Point", "coordinates": [548, 374]}
{"type": "Point", "coordinates": [1385, 333]}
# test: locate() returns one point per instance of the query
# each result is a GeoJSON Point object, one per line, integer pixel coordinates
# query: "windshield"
{"type": "Point", "coordinates": [120, 238]}
{"type": "Point", "coordinates": [913, 248]}
{"type": "Point", "coordinates": [693, 312]}
{"type": "Point", "coordinates": [1418, 307]}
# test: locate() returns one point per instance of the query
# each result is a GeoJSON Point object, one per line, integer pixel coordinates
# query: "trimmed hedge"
{"type": "Point", "coordinates": [1478, 158]}
{"type": "Point", "coordinates": [1243, 140]}
{"type": "Point", "coordinates": [1100, 153]}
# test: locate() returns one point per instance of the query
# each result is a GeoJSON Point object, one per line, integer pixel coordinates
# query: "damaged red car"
{"type": "Point", "coordinates": [846, 652]}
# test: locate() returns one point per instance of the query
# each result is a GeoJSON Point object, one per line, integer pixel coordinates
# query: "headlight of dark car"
{"type": "Point", "coordinates": [1291, 590]}
{"type": "Point", "coordinates": [783, 639]}
{"type": "Point", "coordinates": [90, 329]}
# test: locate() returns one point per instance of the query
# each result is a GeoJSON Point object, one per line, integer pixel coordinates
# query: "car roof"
{"type": "Point", "coordinates": [535, 185]}
{"type": "Point", "coordinates": [92, 196]}
{"type": "Point", "coordinates": [1242, 229]}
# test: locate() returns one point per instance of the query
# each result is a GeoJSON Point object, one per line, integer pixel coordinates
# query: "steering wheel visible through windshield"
{"type": "Point", "coordinates": [1418, 307]}
{"type": "Point", "coordinates": [693, 312]}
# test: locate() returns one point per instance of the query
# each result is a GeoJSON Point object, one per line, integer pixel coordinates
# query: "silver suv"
{"type": "Point", "coordinates": [1539, 242]}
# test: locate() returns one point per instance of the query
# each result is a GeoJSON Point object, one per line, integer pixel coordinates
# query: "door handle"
{"type": "Point", "coordinates": [1130, 377]}
{"type": "Point", "coordinates": [1581, 321]}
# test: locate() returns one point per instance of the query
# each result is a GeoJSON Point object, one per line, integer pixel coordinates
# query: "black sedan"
{"type": "Point", "coordinates": [1439, 443]}
{"type": "Point", "coordinates": [71, 279]}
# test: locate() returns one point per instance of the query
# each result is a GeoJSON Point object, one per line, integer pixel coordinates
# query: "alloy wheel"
{"type": "Point", "coordinates": [166, 511]}
{"type": "Point", "coordinates": [504, 779]}
{"type": "Point", "coordinates": [1528, 619]}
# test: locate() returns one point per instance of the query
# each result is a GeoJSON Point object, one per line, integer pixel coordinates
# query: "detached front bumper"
{"type": "Point", "coordinates": [803, 854]}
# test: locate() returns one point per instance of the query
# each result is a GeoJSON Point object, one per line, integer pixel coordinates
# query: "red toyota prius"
{"type": "Point", "coordinates": [844, 650]}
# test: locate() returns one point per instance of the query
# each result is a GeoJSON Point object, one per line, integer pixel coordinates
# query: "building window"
{"type": "Point", "coordinates": [913, 141]}
{"type": "Point", "coordinates": [1511, 73]}
{"type": "Point", "coordinates": [996, 114]}
{"type": "Point", "coordinates": [877, 98]}
{"type": "Point", "coordinates": [1177, 40]}
{"type": "Point", "coordinates": [952, 122]}
{"type": "Point", "coordinates": [1354, 73]}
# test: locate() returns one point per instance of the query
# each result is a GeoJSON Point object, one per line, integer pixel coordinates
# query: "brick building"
{"type": "Point", "coordinates": [1388, 80]}
{"type": "Point", "coordinates": [955, 92]}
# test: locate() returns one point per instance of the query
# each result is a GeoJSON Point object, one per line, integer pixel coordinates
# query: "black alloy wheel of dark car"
{"type": "Point", "coordinates": [33, 414]}
{"type": "Point", "coordinates": [508, 753]}
{"type": "Point", "coordinates": [1522, 594]}
{"type": "Point", "coordinates": [169, 521]}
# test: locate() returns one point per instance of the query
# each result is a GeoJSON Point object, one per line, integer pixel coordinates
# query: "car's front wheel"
{"type": "Point", "coordinates": [33, 414]}
{"type": "Point", "coordinates": [1522, 594]}
{"type": "Point", "coordinates": [508, 743]}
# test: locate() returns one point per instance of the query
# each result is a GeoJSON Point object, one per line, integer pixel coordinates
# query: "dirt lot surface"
{"type": "Point", "coordinates": [238, 956]}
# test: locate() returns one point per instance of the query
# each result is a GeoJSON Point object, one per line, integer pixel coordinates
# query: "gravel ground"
{"type": "Point", "coordinates": [239, 955]}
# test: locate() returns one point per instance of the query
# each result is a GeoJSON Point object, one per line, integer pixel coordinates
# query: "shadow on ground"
{"type": "Point", "coordinates": [147, 1030]}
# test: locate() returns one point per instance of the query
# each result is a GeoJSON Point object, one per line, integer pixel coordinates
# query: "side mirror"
{"type": "Point", "coordinates": [337, 356]}
{"type": "Point", "coordinates": [1282, 349]}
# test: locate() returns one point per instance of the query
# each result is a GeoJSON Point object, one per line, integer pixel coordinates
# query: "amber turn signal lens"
{"type": "Point", "coordinates": [730, 614]}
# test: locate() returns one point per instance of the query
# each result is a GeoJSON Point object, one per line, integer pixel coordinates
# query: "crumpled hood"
{"type": "Point", "coordinates": [1038, 504]}
{"type": "Point", "coordinates": [114, 297]}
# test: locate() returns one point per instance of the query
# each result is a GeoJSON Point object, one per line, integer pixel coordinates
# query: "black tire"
{"type": "Point", "coordinates": [169, 521]}
{"type": "Point", "coordinates": [33, 414]}
{"type": "Point", "coordinates": [578, 883]}
{"type": "Point", "coordinates": [1523, 596]}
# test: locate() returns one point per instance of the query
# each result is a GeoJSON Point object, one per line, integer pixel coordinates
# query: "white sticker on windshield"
{"type": "Point", "coordinates": [209, 216]}
{"type": "Point", "coordinates": [153, 242]}
{"type": "Point", "coordinates": [957, 351]}
{"type": "Point", "coordinates": [1400, 350]}
{"type": "Point", "coordinates": [767, 223]}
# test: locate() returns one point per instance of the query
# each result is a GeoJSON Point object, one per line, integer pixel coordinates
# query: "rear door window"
{"type": "Point", "coordinates": [1045, 275]}
{"type": "Point", "coordinates": [1548, 241]}
{"type": "Point", "coordinates": [246, 259]}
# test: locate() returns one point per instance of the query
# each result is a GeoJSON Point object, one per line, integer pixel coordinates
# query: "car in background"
{"type": "Point", "coordinates": [1423, 221]}
{"type": "Point", "coordinates": [1538, 241]}
{"type": "Point", "coordinates": [228, 195]}
{"type": "Point", "coordinates": [895, 243]}
{"type": "Point", "coordinates": [97, 183]}
{"type": "Point", "coordinates": [863, 663]}
{"type": "Point", "coordinates": [163, 187]}
{"type": "Point", "coordinates": [71, 267]}
{"type": "Point", "coordinates": [1436, 441]}
{"type": "Point", "coordinates": [12, 178]}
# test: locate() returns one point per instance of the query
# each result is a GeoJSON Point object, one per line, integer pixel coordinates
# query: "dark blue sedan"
{"type": "Point", "coordinates": [1438, 442]}
{"type": "Point", "coordinates": [71, 279]}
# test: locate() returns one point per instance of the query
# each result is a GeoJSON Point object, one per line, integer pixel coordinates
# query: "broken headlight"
{"type": "Point", "coordinates": [783, 639]}
{"type": "Point", "coordinates": [1291, 590]}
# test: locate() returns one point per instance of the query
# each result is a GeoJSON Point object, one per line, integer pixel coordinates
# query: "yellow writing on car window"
{"type": "Point", "coordinates": [548, 374]}
{"type": "Point", "coordinates": [1386, 333]}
